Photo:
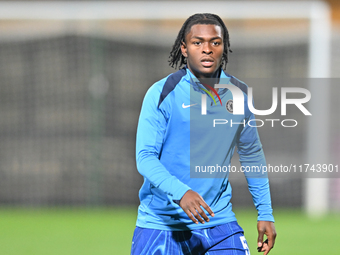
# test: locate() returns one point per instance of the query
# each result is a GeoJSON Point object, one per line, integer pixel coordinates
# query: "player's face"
{"type": "Point", "coordinates": [203, 48]}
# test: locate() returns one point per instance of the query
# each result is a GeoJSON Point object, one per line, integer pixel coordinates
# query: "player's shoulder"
{"type": "Point", "coordinates": [238, 83]}
{"type": "Point", "coordinates": [170, 81]}
{"type": "Point", "coordinates": [165, 86]}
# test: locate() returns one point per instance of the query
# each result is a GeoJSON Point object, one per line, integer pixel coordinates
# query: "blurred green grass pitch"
{"type": "Point", "coordinates": [74, 231]}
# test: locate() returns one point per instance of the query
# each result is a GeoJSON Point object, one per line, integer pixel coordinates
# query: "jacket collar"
{"type": "Point", "coordinates": [198, 86]}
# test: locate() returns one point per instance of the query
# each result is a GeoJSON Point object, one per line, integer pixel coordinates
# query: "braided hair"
{"type": "Point", "coordinates": [176, 59]}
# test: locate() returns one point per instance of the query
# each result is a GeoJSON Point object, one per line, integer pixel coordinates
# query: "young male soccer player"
{"type": "Point", "coordinates": [174, 208]}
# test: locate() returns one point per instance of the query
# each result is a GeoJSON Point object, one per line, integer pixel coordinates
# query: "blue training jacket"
{"type": "Point", "coordinates": [177, 145]}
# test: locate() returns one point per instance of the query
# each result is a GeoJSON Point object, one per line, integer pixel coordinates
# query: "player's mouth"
{"type": "Point", "coordinates": [207, 62]}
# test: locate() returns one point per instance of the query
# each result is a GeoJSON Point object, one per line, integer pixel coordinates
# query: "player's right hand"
{"type": "Point", "coordinates": [191, 203]}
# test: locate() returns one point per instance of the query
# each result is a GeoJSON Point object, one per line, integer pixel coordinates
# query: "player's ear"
{"type": "Point", "coordinates": [184, 49]}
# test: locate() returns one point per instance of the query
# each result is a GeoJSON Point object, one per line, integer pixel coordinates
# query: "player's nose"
{"type": "Point", "coordinates": [206, 48]}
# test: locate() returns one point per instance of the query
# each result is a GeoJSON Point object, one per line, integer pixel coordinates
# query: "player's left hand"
{"type": "Point", "coordinates": [266, 228]}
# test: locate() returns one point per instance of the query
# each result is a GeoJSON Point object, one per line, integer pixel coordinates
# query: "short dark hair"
{"type": "Point", "coordinates": [176, 59]}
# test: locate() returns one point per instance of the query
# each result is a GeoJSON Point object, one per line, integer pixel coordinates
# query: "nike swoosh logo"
{"type": "Point", "coordinates": [187, 106]}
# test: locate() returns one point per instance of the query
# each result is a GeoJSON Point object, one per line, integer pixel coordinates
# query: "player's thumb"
{"type": "Point", "coordinates": [260, 238]}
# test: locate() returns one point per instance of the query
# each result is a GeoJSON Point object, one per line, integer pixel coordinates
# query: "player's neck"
{"type": "Point", "coordinates": [208, 80]}
{"type": "Point", "coordinates": [211, 80]}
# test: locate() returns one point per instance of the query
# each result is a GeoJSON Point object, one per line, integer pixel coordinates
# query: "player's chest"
{"type": "Point", "coordinates": [201, 111]}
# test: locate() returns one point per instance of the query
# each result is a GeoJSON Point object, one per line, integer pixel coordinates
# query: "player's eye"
{"type": "Point", "coordinates": [197, 43]}
{"type": "Point", "coordinates": [216, 43]}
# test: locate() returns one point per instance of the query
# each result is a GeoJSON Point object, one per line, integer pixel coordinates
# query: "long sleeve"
{"type": "Point", "coordinates": [151, 135]}
{"type": "Point", "coordinates": [252, 160]}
